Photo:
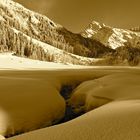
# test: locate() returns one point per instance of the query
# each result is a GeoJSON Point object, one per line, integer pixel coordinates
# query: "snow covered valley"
{"type": "Point", "coordinates": [60, 85]}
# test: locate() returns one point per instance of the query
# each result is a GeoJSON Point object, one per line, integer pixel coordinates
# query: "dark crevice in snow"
{"type": "Point", "coordinates": [66, 92]}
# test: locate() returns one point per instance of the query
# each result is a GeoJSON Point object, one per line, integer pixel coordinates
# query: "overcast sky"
{"type": "Point", "coordinates": [75, 15]}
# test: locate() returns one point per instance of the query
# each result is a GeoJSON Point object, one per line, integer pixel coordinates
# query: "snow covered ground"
{"type": "Point", "coordinates": [30, 100]}
{"type": "Point", "coordinates": [9, 61]}
{"type": "Point", "coordinates": [95, 93]}
{"type": "Point", "coordinates": [115, 120]}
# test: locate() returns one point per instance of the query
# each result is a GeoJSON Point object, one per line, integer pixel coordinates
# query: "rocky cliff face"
{"type": "Point", "coordinates": [111, 37]}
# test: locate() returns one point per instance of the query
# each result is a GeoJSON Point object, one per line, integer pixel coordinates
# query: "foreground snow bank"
{"type": "Point", "coordinates": [2, 137]}
{"type": "Point", "coordinates": [109, 122]}
{"type": "Point", "coordinates": [94, 93]}
{"type": "Point", "coordinates": [28, 103]}
{"type": "Point", "coordinates": [35, 102]}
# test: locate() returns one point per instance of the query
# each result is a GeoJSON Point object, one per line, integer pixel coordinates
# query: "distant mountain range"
{"type": "Point", "coordinates": [135, 29]}
{"type": "Point", "coordinates": [112, 37]}
{"type": "Point", "coordinates": [32, 35]}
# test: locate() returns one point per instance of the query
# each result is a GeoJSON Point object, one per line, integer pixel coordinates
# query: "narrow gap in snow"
{"type": "Point", "coordinates": [66, 91]}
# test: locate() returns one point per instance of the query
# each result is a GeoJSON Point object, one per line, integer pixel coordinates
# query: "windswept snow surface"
{"type": "Point", "coordinates": [35, 101]}
{"type": "Point", "coordinates": [117, 120]}
{"type": "Point", "coordinates": [28, 102]}
{"type": "Point", "coordinates": [95, 93]}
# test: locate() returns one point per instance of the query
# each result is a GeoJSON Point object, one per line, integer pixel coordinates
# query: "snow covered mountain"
{"type": "Point", "coordinates": [112, 37]}
{"type": "Point", "coordinates": [35, 36]}
{"type": "Point", "coordinates": [32, 35]}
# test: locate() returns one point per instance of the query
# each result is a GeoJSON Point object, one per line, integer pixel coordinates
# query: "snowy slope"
{"type": "Point", "coordinates": [11, 62]}
{"type": "Point", "coordinates": [109, 122]}
{"type": "Point", "coordinates": [111, 37]}
{"type": "Point", "coordinates": [95, 93]}
{"type": "Point", "coordinates": [35, 36]}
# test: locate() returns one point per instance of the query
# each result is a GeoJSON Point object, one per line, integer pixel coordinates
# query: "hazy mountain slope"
{"type": "Point", "coordinates": [112, 37]}
{"type": "Point", "coordinates": [135, 29]}
{"type": "Point", "coordinates": [92, 48]}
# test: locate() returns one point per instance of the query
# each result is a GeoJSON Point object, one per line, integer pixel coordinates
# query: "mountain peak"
{"type": "Point", "coordinates": [92, 29]}
{"type": "Point", "coordinates": [111, 37]}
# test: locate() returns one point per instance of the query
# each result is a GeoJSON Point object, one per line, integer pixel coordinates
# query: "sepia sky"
{"type": "Point", "coordinates": [75, 15]}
